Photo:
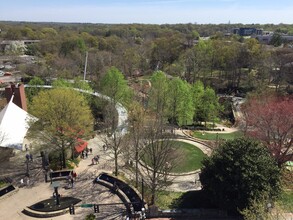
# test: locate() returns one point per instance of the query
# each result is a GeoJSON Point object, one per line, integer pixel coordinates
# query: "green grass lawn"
{"type": "Point", "coordinates": [165, 199]}
{"type": "Point", "coordinates": [3, 184]}
{"type": "Point", "coordinates": [286, 201]}
{"type": "Point", "coordinates": [213, 136]}
{"type": "Point", "coordinates": [189, 157]}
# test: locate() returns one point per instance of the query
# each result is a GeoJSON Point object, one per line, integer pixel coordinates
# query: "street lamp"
{"type": "Point", "coordinates": [142, 193]}
{"type": "Point", "coordinates": [217, 138]}
{"type": "Point", "coordinates": [27, 168]}
{"type": "Point", "coordinates": [56, 194]}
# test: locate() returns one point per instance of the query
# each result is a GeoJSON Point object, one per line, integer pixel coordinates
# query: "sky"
{"type": "Point", "coordinates": [149, 11]}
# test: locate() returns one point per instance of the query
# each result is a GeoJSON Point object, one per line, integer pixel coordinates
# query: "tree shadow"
{"type": "Point", "coordinates": [193, 200]}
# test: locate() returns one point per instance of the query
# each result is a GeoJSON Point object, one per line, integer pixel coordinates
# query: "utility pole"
{"type": "Point", "coordinates": [85, 65]}
{"type": "Point", "coordinates": [142, 192]}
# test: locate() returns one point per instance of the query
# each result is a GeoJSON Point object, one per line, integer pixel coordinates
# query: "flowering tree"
{"type": "Point", "coordinates": [15, 48]}
{"type": "Point", "coordinates": [270, 119]}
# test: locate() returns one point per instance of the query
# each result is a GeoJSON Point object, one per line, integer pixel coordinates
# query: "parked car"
{"type": "Point", "coordinates": [1, 73]}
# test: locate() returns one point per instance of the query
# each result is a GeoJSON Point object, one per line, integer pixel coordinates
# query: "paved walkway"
{"type": "Point", "coordinates": [11, 206]}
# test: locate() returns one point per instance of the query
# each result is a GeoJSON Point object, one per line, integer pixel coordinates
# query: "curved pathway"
{"type": "Point", "coordinates": [122, 112]}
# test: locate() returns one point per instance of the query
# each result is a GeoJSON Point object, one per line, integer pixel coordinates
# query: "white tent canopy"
{"type": "Point", "coordinates": [13, 126]}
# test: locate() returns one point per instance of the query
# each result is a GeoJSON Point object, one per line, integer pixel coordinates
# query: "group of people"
{"type": "Point", "coordinates": [29, 157]}
{"type": "Point", "coordinates": [24, 182]}
{"type": "Point", "coordinates": [95, 160]}
{"type": "Point", "coordinates": [85, 153]}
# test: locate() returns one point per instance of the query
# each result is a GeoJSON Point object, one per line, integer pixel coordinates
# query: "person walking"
{"type": "Point", "coordinates": [31, 157]}
{"type": "Point", "coordinates": [74, 175]}
{"type": "Point", "coordinates": [28, 181]}
{"type": "Point", "coordinates": [72, 182]}
{"type": "Point", "coordinates": [97, 159]}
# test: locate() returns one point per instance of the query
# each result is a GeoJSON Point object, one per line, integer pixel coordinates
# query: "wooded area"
{"type": "Point", "coordinates": [226, 62]}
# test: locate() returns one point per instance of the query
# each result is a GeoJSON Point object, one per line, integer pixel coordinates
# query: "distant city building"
{"type": "Point", "coordinates": [247, 31]}
{"type": "Point", "coordinates": [262, 36]}
{"type": "Point", "coordinates": [266, 39]}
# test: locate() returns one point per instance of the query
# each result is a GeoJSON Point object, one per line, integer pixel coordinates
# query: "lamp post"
{"type": "Point", "coordinates": [55, 186]}
{"type": "Point", "coordinates": [27, 168]}
{"type": "Point", "coordinates": [27, 164]}
{"type": "Point", "coordinates": [217, 139]}
{"type": "Point", "coordinates": [142, 193]}
{"type": "Point", "coordinates": [85, 66]}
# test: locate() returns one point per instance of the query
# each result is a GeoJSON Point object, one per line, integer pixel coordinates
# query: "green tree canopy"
{"type": "Point", "coordinates": [159, 94]}
{"type": "Point", "coordinates": [180, 109]}
{"type": "Point", "coordinates": [62, 83]}
{"type": "Point", "coordinates": [115, 86]}
{"type": "Point", "coordinates": [205, 102]}
{"type": "Point", "coordinates": [32, 91]}
{"type": "Point", "coordinates": [238, 172]}
{"type": "Point", "coordinates": [197, 94]}
{"type": "Point", "coordinates": [64, 116]}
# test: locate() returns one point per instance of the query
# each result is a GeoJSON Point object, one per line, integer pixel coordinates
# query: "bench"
{"type": "Point", "coordinates": [117, 184]}
{"type": "Point", "coordinates": [59, 175]}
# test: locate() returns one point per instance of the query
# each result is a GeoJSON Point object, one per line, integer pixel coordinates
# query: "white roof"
{"type": "Point", "coordinates": [13, 126]}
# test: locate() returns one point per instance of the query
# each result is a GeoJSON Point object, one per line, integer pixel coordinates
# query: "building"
{"type": "Point", "coordinates": [247, 31]}
{"type": "Point", "coordinates": [19, 95]}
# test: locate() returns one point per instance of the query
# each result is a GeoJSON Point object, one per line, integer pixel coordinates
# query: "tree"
{"type": "Point", "coordinates": [262, 209]}
{"type": "Point", "coordinates": [85, 86]}
{"type": "Point", "coordinates": [64, 117]}
{"type": "Point", "coordinates": [206, 103]}
{"type": "Point", "coordinates": [240, 171]}
{"type": "Point", "coordinates": [179, 102]}
{"type": "Point", "coordinates": [115, 87]}
{"type": "Point", "coordinates": [276, 40]}
{"type": "Point", "coordinates": [117, 143]}
{"type": "Point", "coordinates": [165, 50]}
{"type": "Point", "coordinates": [211, 105]}
{"type": "Point", "coordinates": [15, 48]}
{"type": "Point", "coordinates": [158, 96]}
{"type": "Point", "coordinates": [62, 83]}
{"type": "Point", "coordinates": [160, 156]}
{"type": "Point", "coordinates": [204, 55]}
{"type": "Point", "coordinates": [70, 44]}
{"type": "Point", "coordinates": [270, 120]}
{"type": "Point", "coordinates": [136, 127]}
{"type": "Point", "coordinates": [197, 94]}
{"type": "Point", "coordinates": [130, 61]}
{"type": "Point", "coordinates": [33, 91]}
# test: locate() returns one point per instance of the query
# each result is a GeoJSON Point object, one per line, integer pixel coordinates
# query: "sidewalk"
{"type": "Point", "coordinates": [11, 206]}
